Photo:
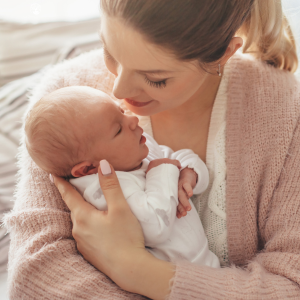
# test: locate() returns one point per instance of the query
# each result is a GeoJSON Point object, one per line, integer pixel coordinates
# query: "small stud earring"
{"type": "Point", "coordinates": [219, 71]}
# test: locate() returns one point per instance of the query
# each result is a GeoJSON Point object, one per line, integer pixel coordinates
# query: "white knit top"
{"type": "Point", "coordinates": [211, 205]}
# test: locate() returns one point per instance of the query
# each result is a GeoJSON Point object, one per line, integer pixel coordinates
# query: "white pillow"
{"type": "Point", "coordinates": [26, 48]}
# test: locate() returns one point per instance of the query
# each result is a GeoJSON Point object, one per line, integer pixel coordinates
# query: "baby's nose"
{"type": "Point", "coordinates": [133, 122]}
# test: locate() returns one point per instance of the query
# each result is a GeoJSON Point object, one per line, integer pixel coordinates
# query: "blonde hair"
{"type": "Point", "coordinates": [50, 139]}
{"type": "Point", "coordinates": [202, 29]}
{"type": "Point", "coordinates": [269, 36]}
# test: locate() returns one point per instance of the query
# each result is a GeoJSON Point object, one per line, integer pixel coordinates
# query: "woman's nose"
{"type": "Point", "coordinates": [123, 86]}
{"type": "Point", "coordinates": [134, 121]}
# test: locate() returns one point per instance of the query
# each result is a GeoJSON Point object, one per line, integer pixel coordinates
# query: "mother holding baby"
{"type": "Point", "coordinates": [175, 64]}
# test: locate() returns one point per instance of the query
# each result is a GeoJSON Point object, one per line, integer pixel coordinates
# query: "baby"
{"type": "Point", "coordinates": [71, 129]}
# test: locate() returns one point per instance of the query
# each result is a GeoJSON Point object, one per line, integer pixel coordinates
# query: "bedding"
{"type": "Point", "coordinates": [13, 104]}
{"type": "Point", "coordinates": [26, 48]}
{"type": "Point", "coordinates": [34, 49]}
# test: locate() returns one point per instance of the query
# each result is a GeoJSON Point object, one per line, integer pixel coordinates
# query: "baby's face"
{"type": "Point", "coordinates": [112, 135]}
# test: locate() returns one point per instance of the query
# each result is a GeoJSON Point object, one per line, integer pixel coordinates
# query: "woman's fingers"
{"type": "Point", "coordinates": [71, 197]}
{"type": "Point", "coordinates": [110, 186]}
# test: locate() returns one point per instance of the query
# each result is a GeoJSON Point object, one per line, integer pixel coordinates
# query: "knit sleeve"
{"type": "Point", "coordinates": [273, 273]}
{"type": "Point", "coordinates": [43, 260]}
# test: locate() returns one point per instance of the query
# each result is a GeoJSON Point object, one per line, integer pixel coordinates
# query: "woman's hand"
{"type": "Point", "coordinates": [187, 181]}
{"type": "Point", "coordinates": [109, 240]}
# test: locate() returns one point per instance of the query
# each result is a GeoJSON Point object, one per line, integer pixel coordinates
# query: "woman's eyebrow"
{"type": "Point", "coordinates": [152, 72]}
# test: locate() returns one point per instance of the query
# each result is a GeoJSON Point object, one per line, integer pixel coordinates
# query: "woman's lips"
{"type": "Point", "coordinates": [136, 103]}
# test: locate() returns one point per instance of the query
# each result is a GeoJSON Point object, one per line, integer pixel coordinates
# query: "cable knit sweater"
{"type": "Point", "coordinates": [262, 200]}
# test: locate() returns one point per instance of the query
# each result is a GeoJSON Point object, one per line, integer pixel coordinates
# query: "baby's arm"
{"type": "Point", "coordinates": [154, 203]}
{"type": "Point", "coordinates": [155, 207]}
{"type": "Point", "coordinates": [188, 159]}
{"type": "Point", "coordinates": [194, 176]}
{"type": "Point", "coordinates": [156, 162]}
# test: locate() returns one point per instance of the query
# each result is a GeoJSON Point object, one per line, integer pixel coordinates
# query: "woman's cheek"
{"type": "Point", "coordinates": [162, 94]}
{"type": "Point", "coordinates": [111, 66]}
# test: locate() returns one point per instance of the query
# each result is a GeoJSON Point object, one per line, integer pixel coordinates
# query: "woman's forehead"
{"type": "Point", "coordinates": [129, 48]}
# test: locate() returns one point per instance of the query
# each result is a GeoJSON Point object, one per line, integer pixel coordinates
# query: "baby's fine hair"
{"type": "Point", "coordinates": [50, 139]}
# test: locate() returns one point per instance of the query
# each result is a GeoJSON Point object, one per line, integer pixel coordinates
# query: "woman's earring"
{"type": "Point", "coordinates": [219, 71]}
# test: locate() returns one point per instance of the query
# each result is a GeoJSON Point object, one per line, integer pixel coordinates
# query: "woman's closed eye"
{"type": "Point", "coordinates": [108, 56]}
{"type": "Point", "coordinates": [157, 84]}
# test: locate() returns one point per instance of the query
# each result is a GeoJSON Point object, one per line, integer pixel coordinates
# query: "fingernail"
{"type": "Point", "coordinates": [105, 167]}
{"type": "Point", "coordinates": [51, 178]}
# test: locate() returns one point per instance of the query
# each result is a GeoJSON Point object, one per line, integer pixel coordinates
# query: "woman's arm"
{"type": "Point", "coordinates": [113, 241]}
{"type": "Point", "coordinates": [273, 273]}
{"type": "Point", "coordinates": [44, 262]}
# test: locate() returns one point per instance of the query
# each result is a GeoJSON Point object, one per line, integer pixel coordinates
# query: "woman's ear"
{"type": "Point", "coordinates": [83, 169]}
{"type": "Point", "coordinates": [235, 43]}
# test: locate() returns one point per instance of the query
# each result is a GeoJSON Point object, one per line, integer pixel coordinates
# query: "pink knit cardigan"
{"type": "Point", "coordinates": [262, 201]}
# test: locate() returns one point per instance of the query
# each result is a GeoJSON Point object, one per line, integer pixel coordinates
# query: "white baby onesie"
{"type": "Point", "coordinates": [153, 199]}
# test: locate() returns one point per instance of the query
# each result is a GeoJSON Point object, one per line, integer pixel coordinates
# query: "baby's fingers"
{"type": "Point", "coordinates": [188, 189]}
{"type": "Point", "coordinates": [177, 163]}
{"type": "Point", "coordinates": [180, 211]}
{"type": "Point", "coordinates": [183, 199]}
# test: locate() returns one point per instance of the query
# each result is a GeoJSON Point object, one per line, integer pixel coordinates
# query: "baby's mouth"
{"type": "Point", "coordinates": [143, 140]}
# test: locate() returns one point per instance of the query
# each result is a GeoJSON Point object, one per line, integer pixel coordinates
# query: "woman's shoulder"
{"type": "Point", "coordinates": [87, 69]}
{"type": "Point", "coordinates": [252, 66]}
{"type": "Point", "coordinates": [258, 82]}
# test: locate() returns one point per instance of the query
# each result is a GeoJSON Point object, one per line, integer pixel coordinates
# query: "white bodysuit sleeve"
{"type": "Point", "coordinates": [155, 207]}
{"type": "Point", "coordinates": [186, 157]}
{"type": "Point", "coordinates": [191, 160]}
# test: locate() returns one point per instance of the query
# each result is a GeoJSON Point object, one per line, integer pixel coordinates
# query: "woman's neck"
{"type": "Point", "coordinates": [195, 107]}
{"type": "Point", "coordinates": [187, 126]}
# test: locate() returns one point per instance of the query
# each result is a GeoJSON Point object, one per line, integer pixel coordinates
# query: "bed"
{"type": "Point", "coordinates": [37, 47]}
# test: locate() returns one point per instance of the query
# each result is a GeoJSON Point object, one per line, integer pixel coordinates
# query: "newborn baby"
{"type": "Point", "coordinates": [71, 129]}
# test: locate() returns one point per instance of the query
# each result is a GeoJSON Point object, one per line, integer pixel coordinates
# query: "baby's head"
{"type": "Point", "coordinates": [71, 129]}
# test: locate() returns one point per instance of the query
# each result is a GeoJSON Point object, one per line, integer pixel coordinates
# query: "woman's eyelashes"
{"type": "Point", "coordinates": [157, 84]}
{"type": "Point", "coordinates": [108, 56]}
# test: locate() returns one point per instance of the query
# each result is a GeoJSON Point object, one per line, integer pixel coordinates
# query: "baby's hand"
{"type": "Point", "coordinates": [187, 181]}
{"type": "Point", "coordinates": [157, 162]}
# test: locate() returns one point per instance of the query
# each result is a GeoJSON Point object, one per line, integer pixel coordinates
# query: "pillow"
{"type": "Point", "coordinates": [26, 48]}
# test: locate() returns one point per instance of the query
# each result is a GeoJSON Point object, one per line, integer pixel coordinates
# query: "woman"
{"type": "Point", "coordinates": [176, 62]}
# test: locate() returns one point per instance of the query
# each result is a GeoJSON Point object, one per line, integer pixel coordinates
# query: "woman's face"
{"type": "Point", "coordinates": [148, 78]}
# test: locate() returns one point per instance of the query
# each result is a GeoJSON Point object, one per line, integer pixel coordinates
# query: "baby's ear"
{"type": "Point", "coordinates": [83, 169]}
